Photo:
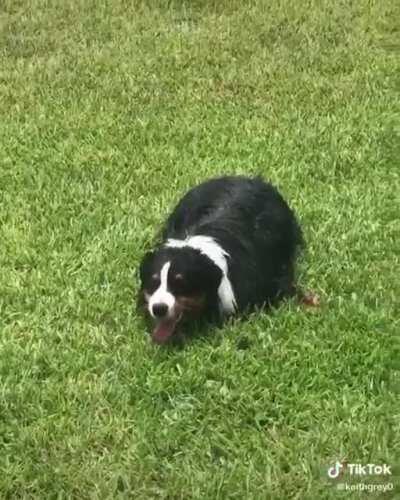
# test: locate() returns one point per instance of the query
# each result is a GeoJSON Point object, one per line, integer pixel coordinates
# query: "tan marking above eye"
{"type": "Point", "coordinates": [155, 276]}
{"type": "Point", "coordinates": [178, 276]}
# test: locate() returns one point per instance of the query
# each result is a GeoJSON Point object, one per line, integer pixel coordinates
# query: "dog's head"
{"type": "Point", "coordinates": [177, 283]}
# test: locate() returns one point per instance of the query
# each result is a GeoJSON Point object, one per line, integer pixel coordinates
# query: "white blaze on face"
{"type": "Point", "coordinates": [162, 295]}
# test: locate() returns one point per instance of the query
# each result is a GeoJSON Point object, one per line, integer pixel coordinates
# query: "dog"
{"type": "Point", "coordinates": [228, 247]}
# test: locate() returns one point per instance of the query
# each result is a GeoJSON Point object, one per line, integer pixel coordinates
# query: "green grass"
{"type": "Point", "coordinates": [109, 111]}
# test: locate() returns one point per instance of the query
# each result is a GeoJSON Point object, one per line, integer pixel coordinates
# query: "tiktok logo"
{"type": "Point", "coordinates": [334, 471]}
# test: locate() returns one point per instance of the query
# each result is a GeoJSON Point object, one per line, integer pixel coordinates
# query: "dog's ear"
{"type": "Point", "coordinates": [144, 265]}
{"type": "Point", "coordinates": [209, 274]}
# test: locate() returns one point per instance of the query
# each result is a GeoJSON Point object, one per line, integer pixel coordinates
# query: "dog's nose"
{"type": "Point", "coordinates": [160, 310]}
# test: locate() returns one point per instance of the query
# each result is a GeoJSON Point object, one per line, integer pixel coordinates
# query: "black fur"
{"type": "Point", "coordinates": [251, 221]}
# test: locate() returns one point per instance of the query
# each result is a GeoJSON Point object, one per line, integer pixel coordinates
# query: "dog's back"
{"type": "Point", "coordinates": [253, 224]}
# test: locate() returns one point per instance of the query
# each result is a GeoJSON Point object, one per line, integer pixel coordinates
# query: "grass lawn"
{"type": "Point", "coordinates": [109, 111]}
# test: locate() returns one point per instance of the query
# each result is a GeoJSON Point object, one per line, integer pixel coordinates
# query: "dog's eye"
{"type": "Point", "coordinates": [155, 281]}
{"type": "Point", "coordinates": [178, 284]}
{"type": "Point", "coordinates": [177, 279]}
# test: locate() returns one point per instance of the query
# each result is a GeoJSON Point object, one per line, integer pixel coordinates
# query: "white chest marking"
{"type": "Point", "coordinates": [209, 247]}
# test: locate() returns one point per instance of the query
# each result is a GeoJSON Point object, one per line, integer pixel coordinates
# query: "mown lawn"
{"type": "Point", "coordinates": [109, 111]}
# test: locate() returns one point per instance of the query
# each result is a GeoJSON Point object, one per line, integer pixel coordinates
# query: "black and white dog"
{"type": "Point", "coordinates": [228, 246]}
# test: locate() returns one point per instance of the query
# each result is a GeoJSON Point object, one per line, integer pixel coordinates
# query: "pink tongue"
{"type": "Point", "coordinates": [163, 331]}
